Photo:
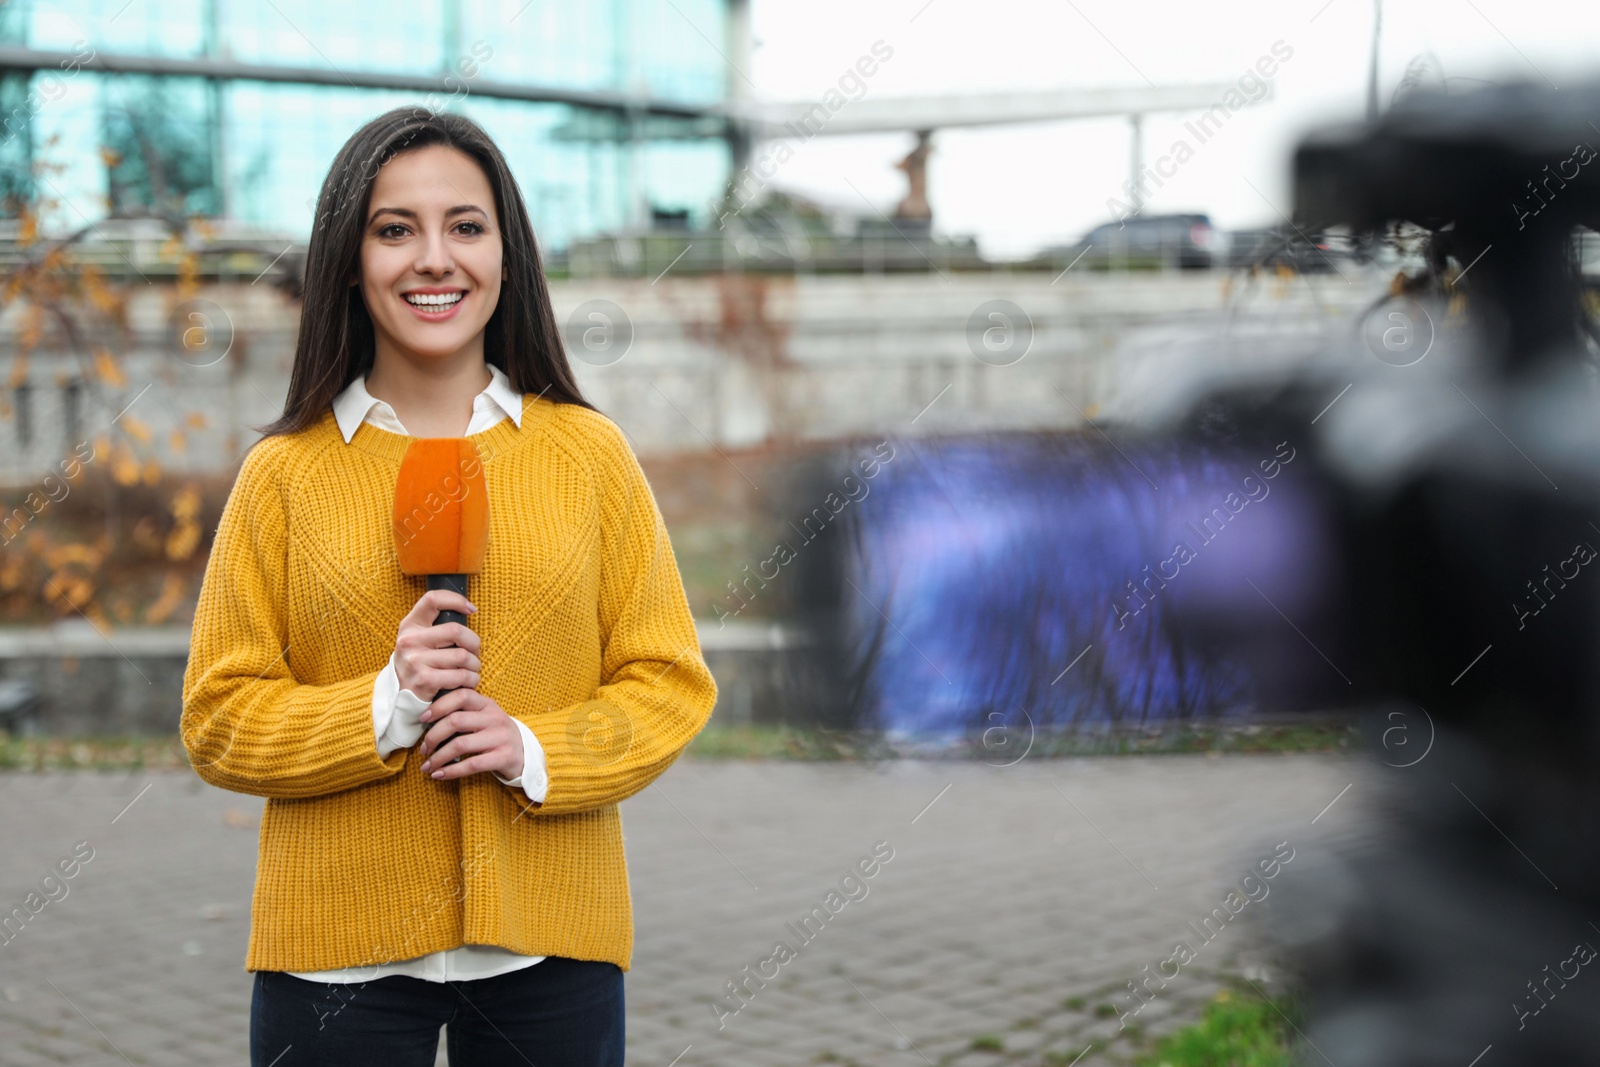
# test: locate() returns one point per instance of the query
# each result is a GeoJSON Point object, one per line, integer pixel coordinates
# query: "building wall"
{"type": "Point", "coordinates": [257, 152]}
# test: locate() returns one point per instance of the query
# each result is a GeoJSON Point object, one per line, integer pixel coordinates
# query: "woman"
{"type": "Point", "coordinates": [441, 844]}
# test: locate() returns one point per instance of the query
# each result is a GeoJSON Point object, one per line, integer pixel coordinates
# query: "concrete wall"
{"type": "Point", "coordinates": [130, 682]}
{"type": "Point", "coordinates": [733, 360]}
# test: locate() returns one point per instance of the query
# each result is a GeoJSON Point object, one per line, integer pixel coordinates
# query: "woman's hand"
{"type": "Point", "coordinates": [484, 736]}
{"type": "Point", "coordinates": [428, 658]}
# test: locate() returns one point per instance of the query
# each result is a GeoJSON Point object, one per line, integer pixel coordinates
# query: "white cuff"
{"type": "Point", "coordinates": [396, 713]}
{"type": "Point", "coordinates": [535, 776]}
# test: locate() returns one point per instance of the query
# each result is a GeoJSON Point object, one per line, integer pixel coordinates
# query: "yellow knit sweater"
{"type": "Point", "coordinates": [587, 639]}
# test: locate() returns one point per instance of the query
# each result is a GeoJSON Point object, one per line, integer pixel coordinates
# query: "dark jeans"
{"type": "Point", "coordinates": [557, 1013]}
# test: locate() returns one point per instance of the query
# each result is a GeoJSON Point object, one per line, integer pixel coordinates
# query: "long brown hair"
{"type": "Point", "coordinates": [336, 341]}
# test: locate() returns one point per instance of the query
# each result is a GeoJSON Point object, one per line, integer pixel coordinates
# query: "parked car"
{"type": "Point", "coordinates": [1145, 242]}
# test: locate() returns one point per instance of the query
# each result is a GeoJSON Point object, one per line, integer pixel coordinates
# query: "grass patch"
{"type": "Point", "coordinates": [1236, 1030]}
{"type": "Point", "coordinates": [788, 743]}
{"type": "Point", "coordinates": [988, 1043]}
{"type": "Point", "coordinates": [1192, 738]}
{"type": "Point", "coordinates": [91, 753]}
{"type": "Point", "coordinates": [751, 741]}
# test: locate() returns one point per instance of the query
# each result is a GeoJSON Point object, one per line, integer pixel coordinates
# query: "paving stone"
{"type": "Point", "coordinates": [1001, 901]}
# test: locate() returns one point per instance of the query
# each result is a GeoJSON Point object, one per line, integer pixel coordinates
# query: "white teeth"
{"type": "Point", "coordinates": [434, 300]}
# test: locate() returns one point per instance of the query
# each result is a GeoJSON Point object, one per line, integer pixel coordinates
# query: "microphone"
{"type": "Point", "coordinates": [441, 516]}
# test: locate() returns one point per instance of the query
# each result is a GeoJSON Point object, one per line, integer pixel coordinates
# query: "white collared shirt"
{"type": "Point", "coordinates": [355, 405]}
{"type": "Point", "coordinates": [396, 712]}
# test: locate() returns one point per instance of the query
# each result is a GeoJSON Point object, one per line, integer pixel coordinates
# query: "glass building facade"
{"type": "Point", "coordinates": [255, 151]}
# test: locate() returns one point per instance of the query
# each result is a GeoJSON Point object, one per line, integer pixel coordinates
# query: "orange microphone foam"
{"type": "Point", "coordinates": [441, 508]}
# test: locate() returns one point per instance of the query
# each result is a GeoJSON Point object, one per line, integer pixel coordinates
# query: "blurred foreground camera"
{"type": "Point", "coordinates": [1454, 592]}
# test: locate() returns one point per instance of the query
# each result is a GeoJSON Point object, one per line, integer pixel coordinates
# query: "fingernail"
{"type": "Point", "coordinates": [426, 764]}
{"type": "Point", "coordinates": [471, 610]}
{"type": "Point", "coordinates": [438, 775]}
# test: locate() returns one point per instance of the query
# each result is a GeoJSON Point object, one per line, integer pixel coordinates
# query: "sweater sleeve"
{"type": "Point", "coordinates": [248, 724]}
{"type": "Point", "coordinates": [656, 691]}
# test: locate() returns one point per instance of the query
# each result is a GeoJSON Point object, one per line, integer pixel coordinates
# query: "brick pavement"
{"type": "Point", "coordinates": [1019, 890]}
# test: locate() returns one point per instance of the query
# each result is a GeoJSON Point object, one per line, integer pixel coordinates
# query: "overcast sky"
{"type": "Point", "coordinates": [1018, 188]}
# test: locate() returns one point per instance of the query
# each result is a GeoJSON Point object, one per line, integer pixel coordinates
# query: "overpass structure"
{"type": "Point", "coordinates": [940, 111]}
{"type": "Point", "coordinates": [635, 117]}
{"type": "Point", "coordinates": [924, 114]}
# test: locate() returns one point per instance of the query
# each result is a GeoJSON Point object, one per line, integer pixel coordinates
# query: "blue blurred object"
{"type": "Point", "coordinates": [1060, 580]}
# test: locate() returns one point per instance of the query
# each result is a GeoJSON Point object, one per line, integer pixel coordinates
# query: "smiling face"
{"type": "Point", "coordinates": [431, 257]}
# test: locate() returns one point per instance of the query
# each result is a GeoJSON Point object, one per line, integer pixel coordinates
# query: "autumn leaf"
{"type": "Point", "coordinates": [188, 275]}
{"type": "Point", "coordinates": [183, 540]}
{"type": "Point", "coordinates": [71, 590]}
{"type": "Point", "coordinates": [135, 429]}
{"type": "Point", "coordinates": [195, 420]}
{"type": "Point", "coordinates": [124, 468]}
{"type": "Point", "coordinates": [186, 503]}
{"type": "Point", "coordinates": [109, 370]}
{"type": "Point", "coordinates": [11, 573]}
{"type": "Point", "coordinates": [100, 295]}
{"type": "Point", "coordinates": [32, 328]}
{"type": "Point", "coordinates": [177, 443]}
{"type": "Point", "coordinates": [75, 552]}
{"type": "Point", "coordinates": [171, 598]}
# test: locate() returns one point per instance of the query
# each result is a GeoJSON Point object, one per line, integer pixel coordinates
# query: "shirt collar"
{"type": "Point", "coordinates": [354, 403]}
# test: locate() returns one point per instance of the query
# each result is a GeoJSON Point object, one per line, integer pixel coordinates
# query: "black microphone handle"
{"type": "Point", "coordinates": [456, 583]}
